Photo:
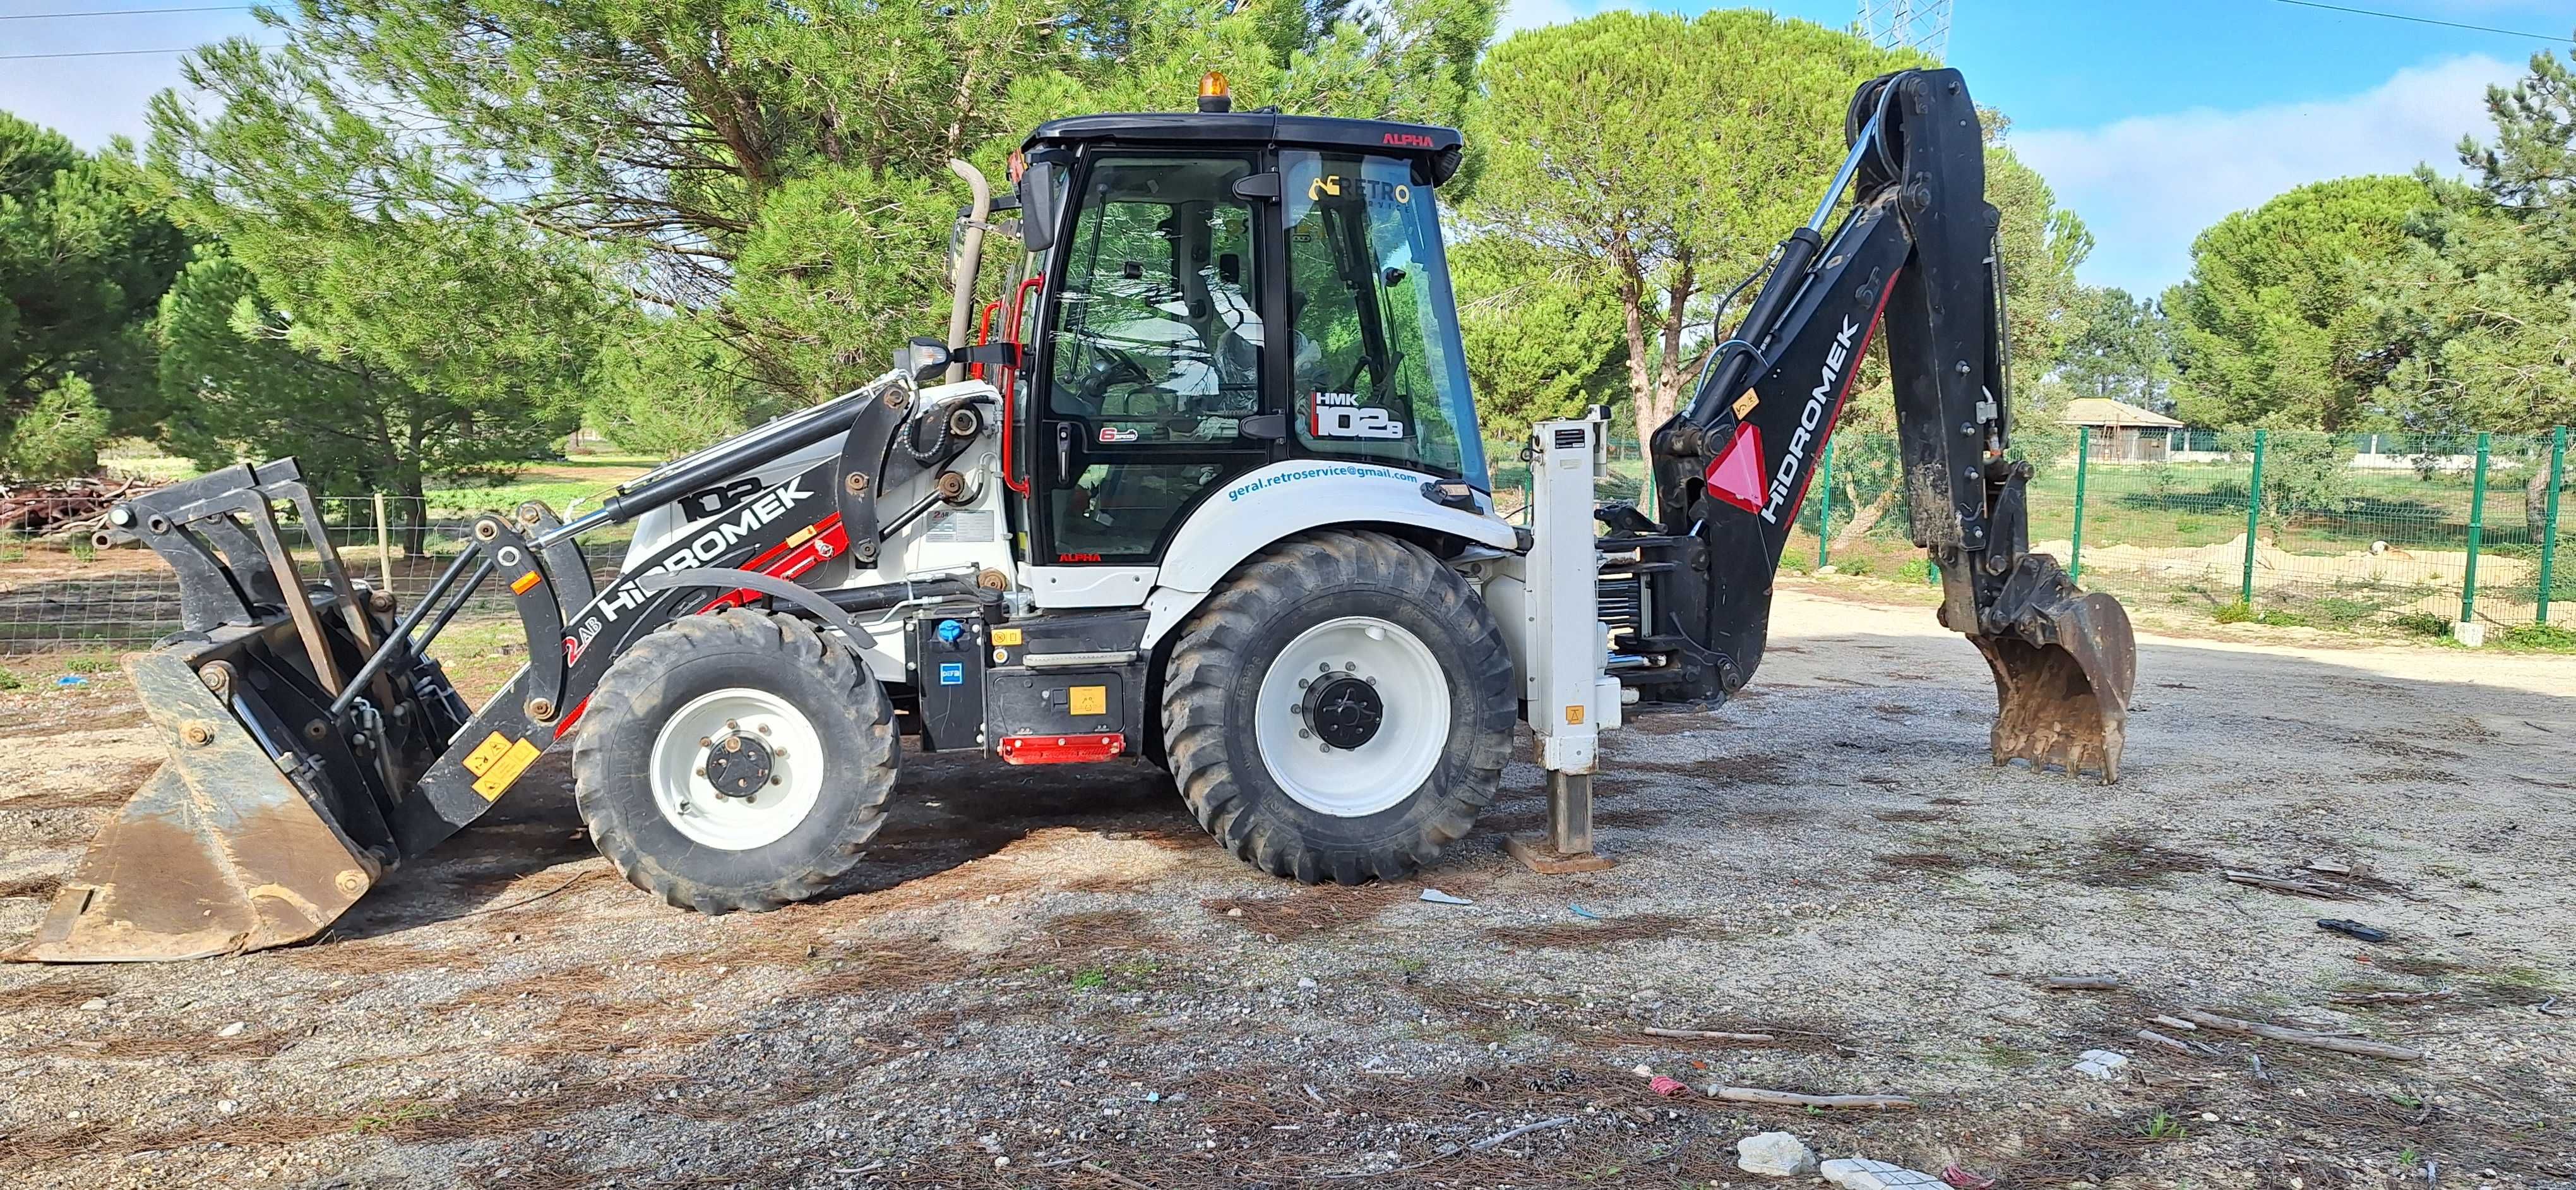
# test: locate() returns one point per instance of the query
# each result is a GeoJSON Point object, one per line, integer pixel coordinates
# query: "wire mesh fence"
{"type": "Point", "coordinates": [2410, 532]}
{"type": "Point", "coordinates": [72, 593]}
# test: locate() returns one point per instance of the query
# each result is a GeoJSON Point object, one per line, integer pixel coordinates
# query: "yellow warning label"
{"type": "Point", "coordinates": [1744, 405]}
{"type": "Point", "coordinates": [507, 770]}
{"type": "Point", "coordinates": [479, 761]}
{"type": "Point", "coordinates": [1088, 700]}
{"type": "Point", "coordinates": [1574, 714]}
{"type": "Point", "coordinates": [799, 537]}
{"type": "Point", "coordinates": [1007, 636]}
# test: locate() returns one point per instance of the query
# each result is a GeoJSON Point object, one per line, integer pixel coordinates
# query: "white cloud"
{"type": "Point", "coordinates": [2146, 185]}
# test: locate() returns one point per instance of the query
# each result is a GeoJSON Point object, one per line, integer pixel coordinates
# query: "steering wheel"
{"type": "Point", "coordinates": [1110, 366]}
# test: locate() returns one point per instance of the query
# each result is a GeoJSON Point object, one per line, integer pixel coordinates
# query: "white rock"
{"type": "Point", "coordinates": [1642, 1070]}
{"type": "Point", "coordinates": [2102, 1064]}
{"type": "Point", "coordinates": [227, 1106]}
{"type": "Point", "coordinates": [93, 1005]}
{"type": "Point", "coordinates": [1305, 984]}
{"type": "Point", "coordinates": [232, 1030]}
{"type": "Point", "coordinates": [1861, 1173]}
{"type": "Point", "coordinates": [1777, 1154]}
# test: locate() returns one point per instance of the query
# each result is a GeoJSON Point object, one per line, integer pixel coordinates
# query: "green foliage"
{"type": "Point", "coordinates": [2538, 638]}
{"type": "Point", "coordinates": [2165, 1125]}
{"type": "Point", "coordinates": [1673, 152]}
{"type": "Point", "coordinates": [2239, 612]}
{"type": "Point", "coordinates": [1090, 978]}
{"type": "Point", "coordinates": [2420, 624]}
{"type": "Point", "coordinates": [58, 433]}
{"type": "Point", "coordinates": [769, 180]}
{"type": "Point", "coordinates": [2121, 348]}
{"type": "Point", "coordinates": [2304, 472]}
{"type": "Point", "coordinates": [83, 259]}
{"type": "Point", "coordinates": [2272, 329]}
{"type": "Point", "coordinates": [1542, 332]}
{"type": "Point", "coordinates": [1915, 570]}
{"type": "Point", "coordinates": [359, 383]}
{"type": "Point", "coordinates": [9, 680]}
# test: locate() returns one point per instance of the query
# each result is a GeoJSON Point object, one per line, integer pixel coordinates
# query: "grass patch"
{"type": "Point", "coordinates": [2537, 638]}
{"type": "Point", "coordinates": [8, 680]}
{"type": "Point", "coordinates": [2424, 624]}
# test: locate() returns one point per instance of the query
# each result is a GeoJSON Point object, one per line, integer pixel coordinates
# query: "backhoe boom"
{"type": "Point", "coordinates": [1916, 257]}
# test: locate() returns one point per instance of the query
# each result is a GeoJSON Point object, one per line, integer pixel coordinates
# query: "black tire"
{"type": "Point", "coordinates": [1225, 649]}
{"type": "Point", "coordinates": [696, 655]}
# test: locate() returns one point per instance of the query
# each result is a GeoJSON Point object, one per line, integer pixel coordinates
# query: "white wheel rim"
{"type": "Point", "coordinates": [693, 807]}
{"type": "Point", "coordinates": [1390, 765]}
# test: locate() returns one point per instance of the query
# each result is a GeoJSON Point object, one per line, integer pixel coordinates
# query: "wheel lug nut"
{"type": "Point", "coordinates": [1324, 667]}
{"type": "Point", "coordinates": [1304, 734]}
{"type": "Point", "coordinates": [702, 771]}
{"type": "Point", "coordinates": [764, 729]}
{"type": "Point", "coordinates": [704, 742]}
{"type": "Point", "coordinates": [777, 781]}
{"type": "Point", "coordinates": [730, 725]}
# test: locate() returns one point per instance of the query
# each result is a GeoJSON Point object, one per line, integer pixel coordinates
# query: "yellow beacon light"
{"type": "Point", "coordinates": [1213, 95]}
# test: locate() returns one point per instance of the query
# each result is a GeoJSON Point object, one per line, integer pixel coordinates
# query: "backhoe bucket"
{"type": "Point", "coordinates": [294, 721]}
{"type": "Point", "coordinates": [2065, 664]}
{"type": "Point", "coordinates": [218, 853]}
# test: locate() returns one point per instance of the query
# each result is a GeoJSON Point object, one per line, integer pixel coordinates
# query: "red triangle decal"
{"type": "Point", "coordinates": [1736, 476]}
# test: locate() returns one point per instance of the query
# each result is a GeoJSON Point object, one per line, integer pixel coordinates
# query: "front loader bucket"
{"type": "Point", "coordinates": [2065, 664]}
{"type": "Point", "coordinates": [218, 853]}
{"type": "Point", "coordinates": [295, 719]}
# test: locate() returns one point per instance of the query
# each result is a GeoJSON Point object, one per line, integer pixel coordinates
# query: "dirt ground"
{"type": "Point", "coordinates": [1053, 979]}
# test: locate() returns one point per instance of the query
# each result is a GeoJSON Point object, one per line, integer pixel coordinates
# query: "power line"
{"type": "Point", "coordinates": [2399, 16]}
{"type": "Point", "coordinates": [99, 54]}
{"type": "Point", "coordinates": [117, 12]}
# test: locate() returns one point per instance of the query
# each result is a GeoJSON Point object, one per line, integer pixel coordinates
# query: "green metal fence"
{"type": "Point", "coordinates": [2297, 527]}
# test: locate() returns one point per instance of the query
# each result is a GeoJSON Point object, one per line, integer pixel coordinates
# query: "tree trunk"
{"type": "Point", "coordinates": [2535, 501]}
{"type": "Point", "coordinates": [1866, 519]}
{"type": "Point", "coordinates": [415, 517]}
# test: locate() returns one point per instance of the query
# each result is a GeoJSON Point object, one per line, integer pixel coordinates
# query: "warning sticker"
{"type": "Point", "coordinates": [479, 761]}
{"type": "Point", "coordinates": [1007, 636]}
{"type": "Point", "coordinates": [1088, 700]}
{"type": "Point", "coordinates": [503, 772]}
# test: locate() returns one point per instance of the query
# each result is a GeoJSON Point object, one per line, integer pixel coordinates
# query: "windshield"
{"type": "Point", "coordinates": [1379, 372]}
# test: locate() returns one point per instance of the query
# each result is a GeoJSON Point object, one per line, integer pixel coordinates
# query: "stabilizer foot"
{"type": "Point", "coordinates": [1568, 845]}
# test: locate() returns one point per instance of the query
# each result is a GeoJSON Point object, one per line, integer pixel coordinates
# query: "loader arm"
{"type": "Point", "coordinates": [1914, 257]}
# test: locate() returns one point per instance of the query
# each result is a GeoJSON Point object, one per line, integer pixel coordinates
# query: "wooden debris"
{"type": "Point", "coordinates": [1500, 1137]}
{"type": "Point", "coordinates": [2306, 1037]}
{"type": "Point", "coordinates": [2392, 997]}
{"type": "Point", "coordinates": [1795, 1099]}
{"type": "Point", "coordinates": [2081, 983]}
{"type": "Point", "coordinates": [2171, 1022]}
{"type": "Point", "coordinates": [1710, 1035]}
{"type": "Point", "coordinates": [2324, 890]}
{"type": "Point", "coordinates": [2160, 1039]}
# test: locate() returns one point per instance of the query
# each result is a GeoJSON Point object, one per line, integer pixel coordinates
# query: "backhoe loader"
{"type": "Point", "coordinates": [1204, 488]}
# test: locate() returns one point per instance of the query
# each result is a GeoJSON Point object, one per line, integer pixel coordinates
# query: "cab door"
{"type": "Point", "coordinates": [1148, 379]}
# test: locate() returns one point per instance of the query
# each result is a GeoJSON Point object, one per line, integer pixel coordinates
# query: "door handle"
{"type": "Point", "coordinates": [1064, 451]}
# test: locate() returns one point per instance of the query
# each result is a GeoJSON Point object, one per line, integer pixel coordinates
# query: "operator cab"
{"type": "Point", "coordinates": [1211, 293]}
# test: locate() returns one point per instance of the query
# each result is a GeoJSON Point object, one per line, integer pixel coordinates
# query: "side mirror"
{"type": "Point", "coordinates": [922, 358]}
{"type": "Point", "coordinates": [1039, 187]}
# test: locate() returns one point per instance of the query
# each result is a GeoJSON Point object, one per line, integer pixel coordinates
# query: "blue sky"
{"type": "Point", "coordinates": [2152, 118]}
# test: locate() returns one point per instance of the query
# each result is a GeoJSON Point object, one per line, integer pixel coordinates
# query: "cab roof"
{"type": "Point", "coordinates": [1433, 150]}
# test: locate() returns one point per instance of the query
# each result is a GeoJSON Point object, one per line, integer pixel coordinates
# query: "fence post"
{"type": "Point", "coordinates": [2253, 515]}
{"type": "Point", "coordinates": [2477, 529]}
{"type": "Point", "coordinates": [2075, 548]}
{"type": "Point", "coordinates": [2549, 523]}
{"type": "Point", "coordinates": [384, 554]}
{"type": "Point", "coordinates": [1825, 512]}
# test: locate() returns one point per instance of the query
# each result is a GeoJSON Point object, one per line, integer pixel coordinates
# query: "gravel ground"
{"type": "Point", "coordinates": [1053, 979]}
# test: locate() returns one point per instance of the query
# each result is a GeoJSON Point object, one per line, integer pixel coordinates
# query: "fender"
{"type": "Point", "coordinates": [1244, 515]}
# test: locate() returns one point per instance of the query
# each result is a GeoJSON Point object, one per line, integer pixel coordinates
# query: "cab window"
{"type": "Point", "coordinates": [1378, 371]}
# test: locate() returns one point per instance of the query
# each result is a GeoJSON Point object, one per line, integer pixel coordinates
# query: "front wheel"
{"type": "Point", "coordinates": [735, 761]}
{"type": "Point", "coordinates": [1342, 708]}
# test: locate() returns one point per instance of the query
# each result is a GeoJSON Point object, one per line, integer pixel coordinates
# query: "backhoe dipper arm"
{"type": "Point", "coordinates": [1916, 253]}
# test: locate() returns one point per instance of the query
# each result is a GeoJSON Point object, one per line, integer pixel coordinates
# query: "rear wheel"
{"type": "Point", "coordinates": [736, 761]}
{"type": "Point", "coordinates": [1340, 709]}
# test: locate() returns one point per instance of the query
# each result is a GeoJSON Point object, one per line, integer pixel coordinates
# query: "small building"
{"type": "Point", "coordinates": [2122, 432]}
